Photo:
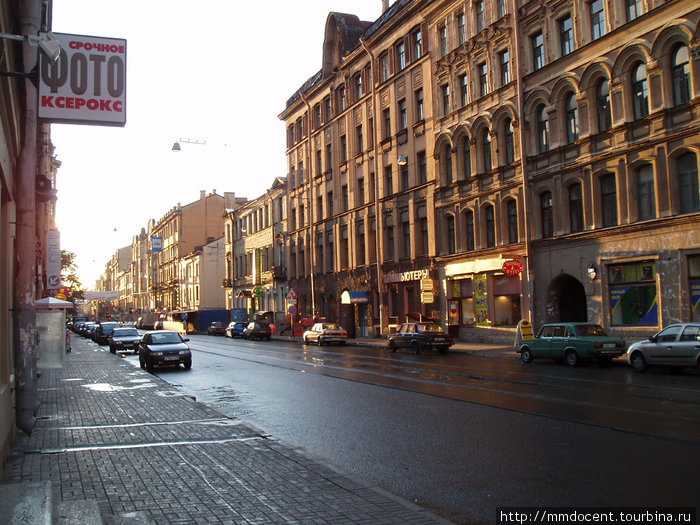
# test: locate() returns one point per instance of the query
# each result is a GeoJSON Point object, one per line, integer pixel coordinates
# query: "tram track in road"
{"type": "Point", "coordinates": [581, 395]}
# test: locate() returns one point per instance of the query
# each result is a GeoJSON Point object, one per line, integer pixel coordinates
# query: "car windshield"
{"type": "Point", "coordinates": [125, 332]}
{"type": "Point", "coordinates": [216, 324]}
{"type": "Point", "coordinates": [165, 338]}
{"type": "Point", "coordinates": [590, 330]}
{"type": "Point", "coordinates": [430, 328]}
{"type": "Point", "coordinates": [331, 326]}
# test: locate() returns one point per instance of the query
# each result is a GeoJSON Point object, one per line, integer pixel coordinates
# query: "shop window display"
{"type": "Point", "coordinates": [633, 294]}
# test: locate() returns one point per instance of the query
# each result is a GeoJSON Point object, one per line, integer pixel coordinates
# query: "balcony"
{"type": "Point", "coordinates": [279, 273]}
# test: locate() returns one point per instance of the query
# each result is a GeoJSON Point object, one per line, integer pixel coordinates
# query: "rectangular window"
{"type": "Point", "coordinates": [504, 59]}
{"type": "Point", "coordinates": [597, 19]}
{"type": "Point", "coordinates": [327, 113]}
{"type": "Point", "coordinates": [422, 168]}
{"type": "Point", "coordinates": [319, 207]}
{"type": "Point", "coordinates": [341, 98]}
{"type": "Point", "coordinates": [388, 181]}
{"type": "Point", "coordinates": [400, 56]}
{"type": "Point", "coordinates": [633, 294]}
{"type": "Point", "coordinates": [319, 164]}
{"type": "Point", "coordinates": [329, 157]}
{"type": "Point", "coordinates": [384, 71]}
{"type": "Point", "coordinates": [359, 142]}
{"type": "Point", "coordinates": [406, 234]}
{"type": "Point", "coordinates": [386, 116]}
{"type": "Point", "coordinates": [360, 191]}
{"type": "Point", "coordinates": [463, 89]}
{"type": "Point", "coordinates": [403, 117]}
{"type": "Point", "coordinates": [501, 8]}
{"type": "Point", "coordinates": [360, 244]}
{"type": "Point", "coordinates": [358, 86]}
{"type": "Point", "coordinates": [479, 13]}
{"type": "Point", "coordinates": [566, 35]}
{"type": "Point", "coordinates": [608, 198]}
{"type": "Point", "coordinates": [389, 249]}
{"type": "Point", "coordinates": [442, 30]}
{"type": "Point", "coordinates": [345, 197]}
{"type": "Point", "coordinates": [403, 173]}
{"type": "Point", "coordinates": [420, 112]}
{"type": "Point", "coordinates": [329, 204]}
{"type": "Point", "coordinates": [317, 115]}
{"type": "Point", "coordinates": [445, 90]}
{"type": "Point", "coordinates": [423, 225]}
{"type": "Point", "coordinates": [417, 38]}
{"type": "Point", "coordinates": [634, 9]}
{"type": "Point", "coordinates": [483, 79]}
{"type": "Point", "coordinates": [537, 41]}
{"type": "Point", "coordinates": [343, 148]}
{"type": "Point", "coordinates": [461, 28]}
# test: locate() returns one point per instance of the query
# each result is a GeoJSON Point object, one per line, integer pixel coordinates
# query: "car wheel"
{"type": "Point", "coordinates": [149, 365]}
{"type": "Point", "coordinates": [112, 349]}
{"type": "Point", "coordinates": [571, 358]}
{"type": "Point", "coordinates": [321, 342]}
{"type": "Point", "coordinates": [639, 364]}
{"type": "Point", "coordinates": [142, 363]}
{"type": "Point", "coordinates": [415, 347]}
{"type": "Point", "coordinates": [392, 345]}
{"type": "Point", "coordinates": [526, 355]}
{"type": "Point", "coordinates": [188, 364]}
{"type": "Point", "coordinates": [269, 337]}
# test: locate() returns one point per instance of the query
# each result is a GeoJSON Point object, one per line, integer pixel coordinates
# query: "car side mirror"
{"type": "Point", "coordinates": [652, 338]}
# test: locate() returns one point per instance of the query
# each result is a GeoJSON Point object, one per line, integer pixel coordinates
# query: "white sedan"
{"type": "Point", "coordinates": [325, 333]}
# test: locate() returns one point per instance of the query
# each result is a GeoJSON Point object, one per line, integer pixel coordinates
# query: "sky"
{"type": "Point", "coordinates": [217, 72]}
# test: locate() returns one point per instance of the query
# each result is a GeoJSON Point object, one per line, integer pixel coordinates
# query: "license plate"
{"type": "Point", "coordinates": [171, 358]}
{"type": "Point", "coordinates": [439, 339]}
{"type": "Point", "coordinates": [609, 345]}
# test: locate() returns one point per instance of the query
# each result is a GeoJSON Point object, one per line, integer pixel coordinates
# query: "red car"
{"type": "Point", "coordinates": [216, 328]}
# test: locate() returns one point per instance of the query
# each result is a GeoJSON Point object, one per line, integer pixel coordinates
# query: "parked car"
{"type": "Point", "coordinates": [325, 333]}
{"type": "Point", "coordinates": [124, 339]}
{"type": "Point", "coordinates": [85, 329]}
{"type": "Point", "coordinates": [164, 348]}
{"type": "Point", "coordinates": [103, 331]}
{"type": "Point", "coordinates": [572, 342]}
{"type": "Point", "coordinates": [235, 329]}
{"type": "Point", "coordinates": [677, 345]}
{"type": "Point", "coordinates": [257, 330]}
{"type": "Point", "coordinates": [216, 328]}
{"type": "Point", "coordinates": [419, 336]}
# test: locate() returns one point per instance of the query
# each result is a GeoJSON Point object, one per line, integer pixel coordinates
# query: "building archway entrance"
{"type": "Point", "coordinates": [566, 300]}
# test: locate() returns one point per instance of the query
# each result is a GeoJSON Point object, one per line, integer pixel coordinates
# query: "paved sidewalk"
{"type": "Point", "coordinates": [123, 440]}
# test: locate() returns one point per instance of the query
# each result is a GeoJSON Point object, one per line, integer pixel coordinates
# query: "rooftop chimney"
{"type": "Point", "coordinates": [202, 194]}
{"type": "Point", "coordinates": [385, 5]}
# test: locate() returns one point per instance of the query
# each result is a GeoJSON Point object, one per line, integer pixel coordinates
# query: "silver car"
{"type": "Point", "coordinates": [677, 345]}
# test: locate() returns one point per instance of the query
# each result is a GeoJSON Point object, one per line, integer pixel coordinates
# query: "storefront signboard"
{"type": "Point", "coordinates": [426, 285]}
{"type": "Point", "coordinates": [427, 297]}
{"type": "Point", "coordinates": [412, 275]}
{"type": "Point", "coordinates": [512, 267]}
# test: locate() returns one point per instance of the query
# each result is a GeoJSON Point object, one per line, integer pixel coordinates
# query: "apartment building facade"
{"type": "Point", "coordinates": [256, 255]}
{"type": "Point", "coordinates": [529, 160]}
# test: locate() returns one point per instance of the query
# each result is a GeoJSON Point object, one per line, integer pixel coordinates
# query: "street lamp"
{"type": "Point", "coordinates": [176, 145]}
{"type": "Point", "coordinates": [402, 161]}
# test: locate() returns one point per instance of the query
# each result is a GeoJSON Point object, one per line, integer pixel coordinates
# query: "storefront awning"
{"type": "Point", "coordinates": [348, 297]}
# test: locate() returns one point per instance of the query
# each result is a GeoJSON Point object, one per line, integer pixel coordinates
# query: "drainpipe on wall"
{"type": "Point", "coordinates": [529, 270]}
{"type": "Point", "coordinates": [377, 218]}
{"type": "Point", "coordinates": [307, 166]}
{"type": "Point", "coordinates": [24, 318]}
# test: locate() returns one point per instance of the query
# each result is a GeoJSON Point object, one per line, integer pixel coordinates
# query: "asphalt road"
{"type": "Point", "coordinates": [460, 434]}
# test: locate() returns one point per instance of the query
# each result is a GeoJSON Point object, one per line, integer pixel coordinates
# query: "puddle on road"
{"type": "Point", "coordinates": [106, 387]}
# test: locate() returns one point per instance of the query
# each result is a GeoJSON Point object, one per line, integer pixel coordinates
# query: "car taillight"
{"type": "Point", "coordinates": [598, 345]}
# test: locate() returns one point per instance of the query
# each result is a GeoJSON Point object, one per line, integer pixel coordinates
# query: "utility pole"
{"type": "Point", "coordinates": [24, 319]}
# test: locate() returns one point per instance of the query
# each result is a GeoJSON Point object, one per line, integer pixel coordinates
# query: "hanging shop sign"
{"type": "Point", "coordinates": [53, 261]}
{"type": "Point", "coordinates": [87, 84]}
{"type": "Point", "coordinates": [512, 267]}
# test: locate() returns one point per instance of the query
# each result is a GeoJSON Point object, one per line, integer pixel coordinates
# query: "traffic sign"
{"type": "Point", "coordinates": [292, 294]}
{"type": "Point", "coordinates": [292, 309]}
{"type": "Point", "coordinates": [426, 285]}
{"type": "Point", "coordinates": [427, 297]}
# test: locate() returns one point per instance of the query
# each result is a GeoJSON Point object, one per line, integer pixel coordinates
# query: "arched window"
{"type": "Point", "coordinates": [646, 195]}
{"type": "Point", "coordinates": [571, 119]}
{"type": "Point", "coordinates": [546, 214]}
{"type": "Point", "coordinates": [688, 183]}
{"type": "Point", "coordinates": [608, 199]}
{"type": "Point", "coordinates": [576, 208]}
{"type": "Point", "coordinates": [542, 129]}
{"type": "Point", "coordinates": [512, 211]}
{"type": "Point", "coordinates": [470, 230]}
{"type": "Point", "coordinates": [448, 164]}
{"type": "Point", "coordinates": [467, 153]}
{"type": "Point", "coordinates": [486, 149]}
{"type": "Point", "coordinates": [640, 94]}
{"type": "Point", "coordinates": [603, 103]}
{"type": "Point", "coordinates": [680, 73]}
{"type": "Point", "coordinates": [508, 139]}
{"type": "Point", "coordinates": [490, 227]}
{"type": "Point", "coordinates": [451, 245]}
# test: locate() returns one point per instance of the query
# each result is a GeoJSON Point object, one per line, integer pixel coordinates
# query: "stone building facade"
{"type": "Point", "coordinates": [533, 160]}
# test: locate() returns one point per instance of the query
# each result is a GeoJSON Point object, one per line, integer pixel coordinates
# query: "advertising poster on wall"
{"type": "Point", "coordinates": [481, 300]}
{"type": "Point", "coordinates": [634, 305]}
